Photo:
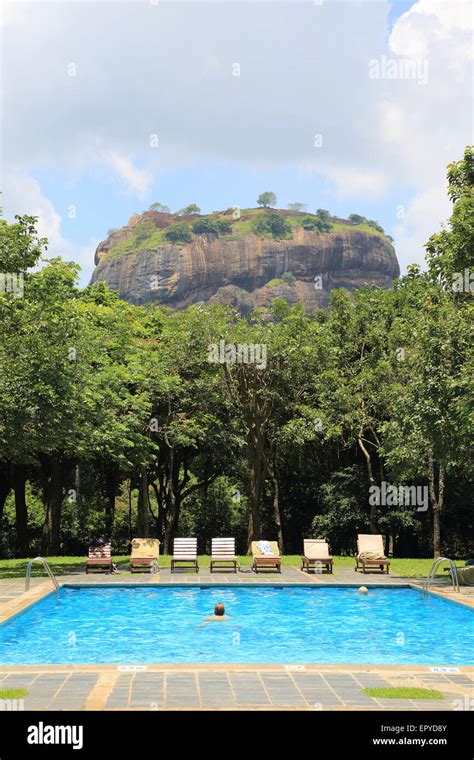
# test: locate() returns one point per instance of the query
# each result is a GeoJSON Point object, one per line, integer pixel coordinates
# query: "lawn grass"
{"type": "Point", "coordinates": [13, 693]}
{"type": "Point", "coordinates": [16, 568]}
{"type": "Point", "coordinates": [403, 692]}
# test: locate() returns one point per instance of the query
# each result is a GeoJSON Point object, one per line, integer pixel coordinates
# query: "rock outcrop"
{"type": "Point", "coordinates": [243, 270]}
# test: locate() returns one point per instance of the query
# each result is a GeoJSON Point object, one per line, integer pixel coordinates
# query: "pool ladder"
{"type": "Point", "coordinates": [453, 569]}
{"type": "Point", "coordinates": [46, 567]}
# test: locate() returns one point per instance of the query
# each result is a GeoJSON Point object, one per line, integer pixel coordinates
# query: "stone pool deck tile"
{"type": "Point", "coordinates": [19, 600]}
{"type": "Point", "coordinates": [254, 687]}
{"type": "Point", "coordinates": [215, 690]}
{"type": "Point", "coordinates": [282, 690]}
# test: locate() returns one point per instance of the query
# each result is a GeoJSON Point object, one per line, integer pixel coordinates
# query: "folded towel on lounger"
{"type": "Point", "coordinates": [265, 548]}
{"type": "Point", "coordinates": [371, 555]}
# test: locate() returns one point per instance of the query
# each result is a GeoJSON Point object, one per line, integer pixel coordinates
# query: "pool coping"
{"type": "Point", "coordinates": [305, 667]}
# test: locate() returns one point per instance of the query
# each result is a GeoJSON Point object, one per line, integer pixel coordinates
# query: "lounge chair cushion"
{"type": "Point", "coordinates": [316, 549]}
{"type": "Point", "coordinates": [370, 543]}
{"type": "Point", "coordinates": [144, 548]}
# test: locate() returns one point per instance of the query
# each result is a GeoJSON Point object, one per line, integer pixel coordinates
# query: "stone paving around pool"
{"type": "Point", "coordinates": [229, 688]}
{"type": "Point", "coordinates": [225, 687]}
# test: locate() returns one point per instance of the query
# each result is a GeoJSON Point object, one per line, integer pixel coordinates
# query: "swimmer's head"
{"type": "Point", "coordinates": [219, 609]}
{"type": "Point", "coordinates": [363, 590]}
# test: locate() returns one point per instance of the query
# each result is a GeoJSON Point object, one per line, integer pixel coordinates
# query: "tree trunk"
{"type": "Point", "coordinates": [437, 501]}
{"type": "Point", "coordinates": [143, 507]}
{"type": "Point", "coordinates": [18, 479]}
{"type": "Point", "coordinates": [51, 538]}
{"type": "Point", "coordinates": [5, 485]}
{"type": "Point", "coordinates": [172, 514]}
{"type": "Point", "coordinates": [276, 500]}
{"type": "Point", "coordinates": [130, 526]}
{"type": "Point", "coordinates": [373, 507]}
{"type": "Point", "coordinates": [173, 503]}
{"type": "Point", "coordinates": [257, 478]}
{"type": "Point", "coordinates": [276, 512]}
{"type": "Point", "coordinates": [110, 488]}
{"type": "Point", "coordinates": [160, 511]}
{"type": "Point", "coordinates": [436, 533]}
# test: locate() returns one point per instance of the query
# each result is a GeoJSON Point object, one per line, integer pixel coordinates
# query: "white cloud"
{"type": "Point", "coordinates": [430, 22]}
{"type": "Point", "coordinates": [137, 180]}
{"type": "Point", "coordinates": [23, 196]}
{"type": "Point", "coordinates": [167, 69]}
{"type": "Point", "coordinates": [416, 228]}
{"type": "Point", "coordinates": [352, 183]}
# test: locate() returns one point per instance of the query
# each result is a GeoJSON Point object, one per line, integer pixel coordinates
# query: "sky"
{"type": "Point", "coordinates": [355, 106]}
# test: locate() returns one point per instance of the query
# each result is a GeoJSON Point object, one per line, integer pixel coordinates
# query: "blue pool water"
{"type": "Point", "coordinates": [127, 625]}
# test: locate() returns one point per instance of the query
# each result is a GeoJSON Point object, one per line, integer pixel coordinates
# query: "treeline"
{"type": "Point", "coordinates": [123, 420]}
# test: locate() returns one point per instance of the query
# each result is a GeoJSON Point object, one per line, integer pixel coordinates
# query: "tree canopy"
{"type": "Point", "coordinates": [117, 419]}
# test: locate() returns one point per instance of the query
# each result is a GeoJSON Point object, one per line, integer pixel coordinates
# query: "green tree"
{"type": "Point", "coordinates": [178, 233]}
{"type": "Point", "coordinates": [323, 215]}
{"type": "Point", "coordinates": [20, 246]}
{"type": "Point", "coordinates": [191, 426]}
{"type": "Point", "coordinates": [297, 206]}
{"type": "Point", "coordinates": [267, 199]}
{"type": "Point", "coordinates": [357, 219]}
{"type": "Point", "coordinates": [160, 207]}
{"type": "Point", "coordinates": [190, 210]}
{"type": "Point", "coordinates": [429, 431]}
{"type": "Point", "coordinates": [450, 252]}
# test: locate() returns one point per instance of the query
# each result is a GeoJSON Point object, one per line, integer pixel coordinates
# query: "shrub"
{"type": "Point", "coordinates": [224, 227]}
{"type": "Point", "coordinates": [357, 219]}
{"type": "Point", "coordinates": [313, 224]}
{"type": "Point", "coordinates": [272, 224]}
{"type": "Point", "coordinates": [288, 278]}
{"type": "Point", "coordinates": [323, 214]}
{"type": "Point", "coordinates": [375, 225]}
{"type": "Point", "coordinates": [205, 226]}
{"type": "Point", "coordinates": [178, 233]}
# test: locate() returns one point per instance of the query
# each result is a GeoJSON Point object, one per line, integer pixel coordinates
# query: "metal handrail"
{"type": "Point", "coordinates": [46, 567]}
{"type": "Point", "coordinates": [452, 567]}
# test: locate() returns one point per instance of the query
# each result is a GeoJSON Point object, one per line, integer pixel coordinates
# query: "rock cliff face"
{"type": "Point", "coordinates": [243, 270]}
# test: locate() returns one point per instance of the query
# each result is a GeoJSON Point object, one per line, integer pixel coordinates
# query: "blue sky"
{"type": "Point", "coordinates": [78, 138]}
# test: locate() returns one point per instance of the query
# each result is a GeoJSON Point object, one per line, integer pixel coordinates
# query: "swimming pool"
{"type": "Point", "coordinates": [127, 625]}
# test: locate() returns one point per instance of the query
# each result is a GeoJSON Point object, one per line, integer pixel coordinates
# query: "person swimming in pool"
{"type": "Point", "coordinates": [219, 614]}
